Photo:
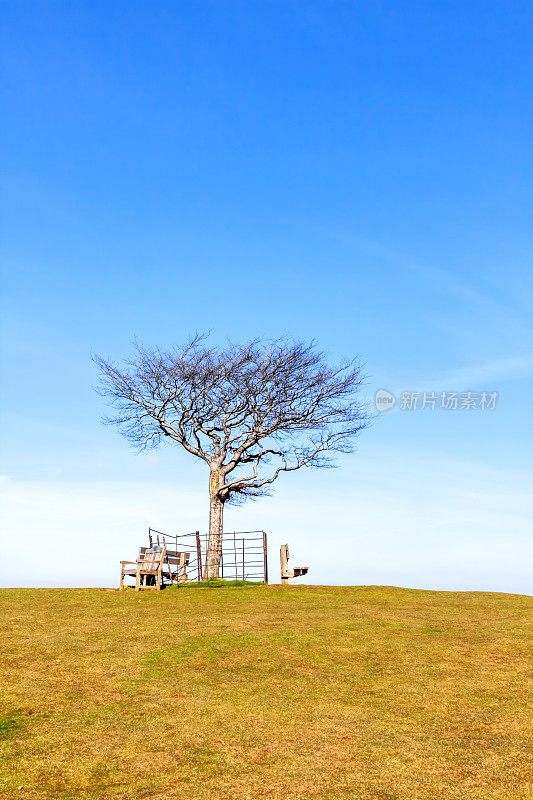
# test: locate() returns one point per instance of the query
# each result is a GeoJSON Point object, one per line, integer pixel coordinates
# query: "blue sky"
{"type": "Point", "coordinates": [355, 172]}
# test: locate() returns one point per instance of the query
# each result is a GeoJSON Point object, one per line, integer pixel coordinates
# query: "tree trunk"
{"type": "Point", "coordinates": [216, 527]}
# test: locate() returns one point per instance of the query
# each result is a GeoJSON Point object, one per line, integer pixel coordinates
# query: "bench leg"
{"type": "Point", "coordinates": [138, 578]}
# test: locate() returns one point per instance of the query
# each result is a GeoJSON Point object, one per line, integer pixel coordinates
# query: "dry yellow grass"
{"type": "Point", "coordinates": [263, 692]}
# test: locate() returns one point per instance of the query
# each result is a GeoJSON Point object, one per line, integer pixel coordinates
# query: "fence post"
{"type": "Point", "coordinates": [284, 557]}
{"type": "Point", "coordinates": [265, 556]}
{"type": "Point", "coordinates": [199, 555]}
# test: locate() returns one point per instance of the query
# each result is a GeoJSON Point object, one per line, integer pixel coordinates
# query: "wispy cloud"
{"type": "Point", "coordinates": [486, 374]}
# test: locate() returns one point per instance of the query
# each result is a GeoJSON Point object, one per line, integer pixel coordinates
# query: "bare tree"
{"type": "Point", "coordinates": [249, 411]}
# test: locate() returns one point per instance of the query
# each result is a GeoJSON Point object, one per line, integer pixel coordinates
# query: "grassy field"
{"type": "Point", "coordinates": [263, 692]}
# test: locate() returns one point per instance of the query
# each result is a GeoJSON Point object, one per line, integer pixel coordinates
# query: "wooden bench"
{"type": "Point", "coordinates": [154, 565]}
{"type": "Point", "coordinates": [180, 561]}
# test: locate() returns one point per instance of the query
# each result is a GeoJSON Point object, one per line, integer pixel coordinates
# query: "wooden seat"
{"type": "Point", "coordinates": [286, 571]}
{"type": "Point", "coordinates": [154, 565]}
{"type": "Point", "coordinates": [148, 565]}
{"type": "Point", "coordinates": [180, 561]}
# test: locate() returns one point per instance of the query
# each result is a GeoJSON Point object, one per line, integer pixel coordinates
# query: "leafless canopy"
{"type": "Point", "coordinates": [250, 411]}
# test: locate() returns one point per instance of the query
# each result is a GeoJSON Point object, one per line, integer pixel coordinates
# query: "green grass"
{"type": "Point", "coordinates": [255, 692]}
{"type": "Point", "coordinates": [10, 724]}
{"type": "Point", "coordinates": [213, 583]}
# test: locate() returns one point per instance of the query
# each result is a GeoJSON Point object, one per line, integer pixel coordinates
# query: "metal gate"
{"type": "Point", "coordinates": [244, 553]}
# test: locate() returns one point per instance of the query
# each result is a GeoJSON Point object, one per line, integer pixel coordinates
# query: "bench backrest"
{"type": "Point", "coordinates": [152, 558]}
{"type": "Point", "coordinates": [171, 556]}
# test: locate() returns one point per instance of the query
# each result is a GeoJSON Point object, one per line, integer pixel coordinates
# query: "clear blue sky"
{"type": "Point", "coordinates": [355, 172]}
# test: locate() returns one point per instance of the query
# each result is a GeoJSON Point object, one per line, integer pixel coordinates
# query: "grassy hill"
{"type": "Point", "coordinates": [262, 692]}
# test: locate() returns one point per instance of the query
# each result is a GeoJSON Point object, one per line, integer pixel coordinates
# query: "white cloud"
{"type": "Point", "coordinates": [71, 534]}
{"type": "Point", "coordinates": [484, 375]}
{"type": "Point", "coordinates": [447, 525]}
